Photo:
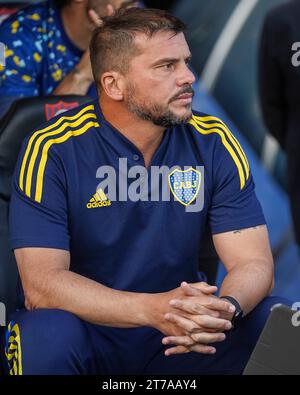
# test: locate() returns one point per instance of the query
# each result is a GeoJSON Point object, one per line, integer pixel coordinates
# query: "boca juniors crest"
{"type": "Point", "coordinates": [185, 185]}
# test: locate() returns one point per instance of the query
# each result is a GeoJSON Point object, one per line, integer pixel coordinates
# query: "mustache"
{"type": "Point", "coordinates": [188, 90]}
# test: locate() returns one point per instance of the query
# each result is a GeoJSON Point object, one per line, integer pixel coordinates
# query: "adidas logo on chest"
{"type": "Point", "coordinates": [99, 200]}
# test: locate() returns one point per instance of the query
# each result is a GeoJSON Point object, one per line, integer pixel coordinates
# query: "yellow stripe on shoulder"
{"type": "Point", "coordinates": [220, 124]}
{"type": "Point", "coordinates": [44, 136]}
{"type": "Point", "coordinates": [45, 130]}
{"type": "Point", "coordinates": [44, 158]}
{"type": "Point", "coordinates": [194, 122]}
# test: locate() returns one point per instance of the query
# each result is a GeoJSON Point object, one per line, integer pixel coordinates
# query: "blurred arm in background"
{"type": "Point", "coordinates": [47, 49]}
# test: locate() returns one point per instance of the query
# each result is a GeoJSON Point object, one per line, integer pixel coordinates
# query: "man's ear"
{"type": "Point", "coordinates": [113, 85]}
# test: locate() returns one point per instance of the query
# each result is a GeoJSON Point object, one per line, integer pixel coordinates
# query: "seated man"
{"type": "Point", "coordinates": [47, 49]}
{"type": "Point", "coordinates": [108, 262]}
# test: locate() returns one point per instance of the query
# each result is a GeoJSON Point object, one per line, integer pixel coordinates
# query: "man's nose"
{"type": "Point", "coordinates": [186, 76]}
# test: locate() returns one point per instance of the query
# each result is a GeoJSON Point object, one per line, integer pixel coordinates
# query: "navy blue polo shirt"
{"type": "Point", "coordinates": [133, 245]}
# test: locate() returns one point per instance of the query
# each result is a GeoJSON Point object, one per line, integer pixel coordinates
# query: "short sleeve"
{"type": "Point", "coordinates": [38, 208]}
{"type": "Point", "coordinates": [234, 202]}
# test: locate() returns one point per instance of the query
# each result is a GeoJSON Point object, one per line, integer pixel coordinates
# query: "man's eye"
{"type": "Point", "coordinates": [168, 66]}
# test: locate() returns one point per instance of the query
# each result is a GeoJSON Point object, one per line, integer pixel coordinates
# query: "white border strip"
{"type": "Point", "coordinates": [269, 152]}
{"type": "Point", "coordinates": [225, 42]}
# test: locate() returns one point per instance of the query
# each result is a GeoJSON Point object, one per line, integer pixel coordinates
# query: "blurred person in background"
{"type": "Point", "coordinates": [47, 48]}
{"type": "Point", "coordinates": [279, 87]}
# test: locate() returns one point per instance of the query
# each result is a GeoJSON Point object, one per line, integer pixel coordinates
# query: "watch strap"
{"type": "Point", "coordinates": [234, 302]}
{"type": "Point", "coordinates": [238, 314]}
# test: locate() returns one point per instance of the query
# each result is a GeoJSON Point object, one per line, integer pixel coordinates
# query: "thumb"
{"type": "Point", "coordinates": [94, 17]}
{"type": "Point", "coordinates": [197, 289]}
{"type": "Point", "coordinates": [110, 9]}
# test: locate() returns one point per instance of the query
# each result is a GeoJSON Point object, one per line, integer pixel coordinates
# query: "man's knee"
{"type": "Point", "coordinates": [242, 340]}
{"type": "Point", "coordinates": [255, 322]}
{"type": "Point", "coordinates": [45, 342]}
{"type": "Point", "coordinates": [263, 309]}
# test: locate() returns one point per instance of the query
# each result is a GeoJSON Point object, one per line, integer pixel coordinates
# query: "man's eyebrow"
{"type": "Point", "coordinates": [169, 60]}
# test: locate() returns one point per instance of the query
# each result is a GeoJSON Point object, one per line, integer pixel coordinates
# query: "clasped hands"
{"type": "Point", "coordinates": [200, 319]}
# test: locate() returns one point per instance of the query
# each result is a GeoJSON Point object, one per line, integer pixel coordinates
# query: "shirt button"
{"type": "Point", "coordinates": [136, 158]}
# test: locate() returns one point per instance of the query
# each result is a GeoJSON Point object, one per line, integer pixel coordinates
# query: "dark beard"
{"type": "Point", "coordinates": [154, 113]}
{"type": "Point", "coordinates": [166, 118]}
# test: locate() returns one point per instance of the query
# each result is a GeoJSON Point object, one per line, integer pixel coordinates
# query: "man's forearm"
{"type": "Point", "coordinates": [249, 283]}
{"type": "Point", "coordinates": [75, 83]}
{"type": "Point", "coordinates": [89, 300]}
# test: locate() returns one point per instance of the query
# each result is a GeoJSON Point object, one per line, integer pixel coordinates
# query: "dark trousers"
{"type": "Point", "coordinates": [54, 342]}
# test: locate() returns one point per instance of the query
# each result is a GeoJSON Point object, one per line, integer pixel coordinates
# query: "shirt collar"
{"type": "Point", "coordinates": [124, 147]}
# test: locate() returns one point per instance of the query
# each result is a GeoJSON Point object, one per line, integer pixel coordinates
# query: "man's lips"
{"type": "Point", "coordinates": [185, 96]}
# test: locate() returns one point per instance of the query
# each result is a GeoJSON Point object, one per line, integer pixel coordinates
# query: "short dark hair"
{"type": "Point", "coordinates": [112, 45]}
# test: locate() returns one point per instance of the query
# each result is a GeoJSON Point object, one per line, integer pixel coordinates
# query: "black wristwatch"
{"type": "Point", "coordinates": [238, 314]}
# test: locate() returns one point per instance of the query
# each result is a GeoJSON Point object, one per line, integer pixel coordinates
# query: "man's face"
{"type": "Point", "coordinates": [159, 81]}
